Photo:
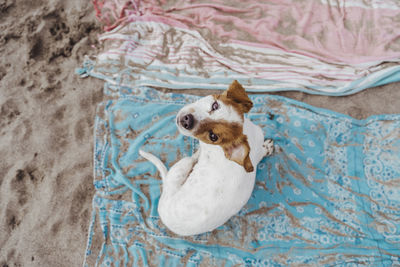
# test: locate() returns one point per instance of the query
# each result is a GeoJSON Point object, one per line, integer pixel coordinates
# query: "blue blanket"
{"type": "Point", "coordinates": [328, 196]}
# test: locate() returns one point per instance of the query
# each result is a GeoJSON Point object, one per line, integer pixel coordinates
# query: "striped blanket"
{"type": "Point", "coordinates": [316, 46]}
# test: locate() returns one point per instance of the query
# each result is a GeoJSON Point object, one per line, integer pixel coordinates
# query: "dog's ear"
{"type": "Point", "coordinates": [238, 94]}
{"type": "Point", "coordinates": [239, 153]}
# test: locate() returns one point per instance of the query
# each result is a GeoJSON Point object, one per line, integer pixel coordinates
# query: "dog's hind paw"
{"type": "Point", "coordinates": [269, 147]}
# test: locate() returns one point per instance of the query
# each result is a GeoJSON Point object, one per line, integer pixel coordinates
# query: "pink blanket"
{"type": "Point", "coordinates": [317, 46]}
{"type": "Point", "coordinates": [340, 32]}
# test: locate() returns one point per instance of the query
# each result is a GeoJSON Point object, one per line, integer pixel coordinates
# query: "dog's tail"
{"type": "Point", "coordinates": [156, 161]}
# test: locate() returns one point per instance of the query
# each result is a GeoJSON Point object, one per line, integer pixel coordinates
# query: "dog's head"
{"type": "Point", "coordinates": [218, 120]}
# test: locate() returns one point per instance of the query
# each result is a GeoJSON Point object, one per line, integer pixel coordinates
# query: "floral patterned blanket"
{"type": "Point", "coordinates": [329, 196]}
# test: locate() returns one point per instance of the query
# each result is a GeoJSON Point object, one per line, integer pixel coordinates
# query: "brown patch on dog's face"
{"type": "Point", "coordinates": [239, 152]}
{"type": "Point", "coordinates": [236, 96]}
{"type": "Point", "coordinates": [230, 137]}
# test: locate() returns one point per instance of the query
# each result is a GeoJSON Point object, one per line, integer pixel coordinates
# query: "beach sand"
{"type": "Point", "coordinates": [46, 128]}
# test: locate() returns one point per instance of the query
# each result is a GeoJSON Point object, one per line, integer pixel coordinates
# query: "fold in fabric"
{"type": "Point", "coordinates": [320, 47]}
{"type": "Point", "coordinates": [327, 196]}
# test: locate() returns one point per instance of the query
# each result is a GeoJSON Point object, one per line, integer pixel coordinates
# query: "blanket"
{"type": "Point", "coordinates": [329, 195]}
{"type": "Point", "coordinates": [316, 46]}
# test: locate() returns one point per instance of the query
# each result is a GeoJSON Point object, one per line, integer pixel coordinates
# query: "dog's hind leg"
{"type": "Point", "coordinates": [179, 173]}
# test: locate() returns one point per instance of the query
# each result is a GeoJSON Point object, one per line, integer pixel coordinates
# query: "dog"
{"type": "Point", "coordinates": [201, 192]}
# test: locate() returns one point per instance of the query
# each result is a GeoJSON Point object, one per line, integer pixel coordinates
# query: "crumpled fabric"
{"type": "Point", "coordinates": [317, 46]}
{"type": "Point", "coordinates": [328, 196]}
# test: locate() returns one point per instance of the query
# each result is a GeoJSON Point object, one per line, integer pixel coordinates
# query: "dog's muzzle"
{"type": "Point", "coordinates": [187, 121]}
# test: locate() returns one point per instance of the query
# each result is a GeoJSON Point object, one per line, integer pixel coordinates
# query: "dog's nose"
{"type": "Point", "coordinates": [187, 121]}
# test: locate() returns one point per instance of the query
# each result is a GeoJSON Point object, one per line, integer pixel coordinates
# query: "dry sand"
{"type": "Point", "coordinates": [46, 129]}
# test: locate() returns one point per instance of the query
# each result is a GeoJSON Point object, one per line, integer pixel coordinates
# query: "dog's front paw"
{"type": "Point", "coordinates": [268, 147]}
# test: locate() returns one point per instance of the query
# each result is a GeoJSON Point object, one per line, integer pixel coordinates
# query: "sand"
{"type": "Point", "coordinates": [46, 128]}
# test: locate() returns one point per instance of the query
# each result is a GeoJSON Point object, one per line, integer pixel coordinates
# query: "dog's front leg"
{"type": "Point", "coordinates": [268, 147]}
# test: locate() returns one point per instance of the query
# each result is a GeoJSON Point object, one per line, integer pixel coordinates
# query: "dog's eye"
{"type": "Point", "coordinates": [214, 106]}
{"type": "Point", "coordinates": [213, 137]}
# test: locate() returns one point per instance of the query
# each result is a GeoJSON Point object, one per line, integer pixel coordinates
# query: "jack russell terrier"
{"type": "Point", "coordinates": [201, 192]}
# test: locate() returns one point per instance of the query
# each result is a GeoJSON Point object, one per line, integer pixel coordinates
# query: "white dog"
{"type": "Point", "coordinates": [200, 193]}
